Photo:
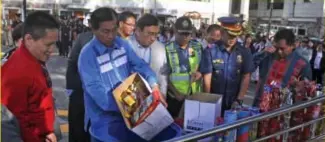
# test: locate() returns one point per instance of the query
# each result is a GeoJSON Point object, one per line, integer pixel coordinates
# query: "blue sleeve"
{"type": "Point", "coordinates": [140, 66]}
{"type": "Point", "coordinates": [92, 83]}
{"type": "Point", "coordinates": [306, 72]}
{"type": "Point", "coordinates": [206, 62]}
{"type": "Point", "coordinates": [259, 58]}
{"type": "Point", "coordinates": [247, 66]}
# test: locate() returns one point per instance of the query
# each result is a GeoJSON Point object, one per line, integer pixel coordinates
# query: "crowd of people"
{"type": "Point", "coordinates": [177, 60]}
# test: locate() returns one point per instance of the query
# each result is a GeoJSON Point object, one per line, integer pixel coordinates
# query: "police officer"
{"type": "Point", "coordinates": [65, 37]}
{"type": "Point", "coordinates": [226, 67]}
{"type": "Point", "coordinates": [183, 57]}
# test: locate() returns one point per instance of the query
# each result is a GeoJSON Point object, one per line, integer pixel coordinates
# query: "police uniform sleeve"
{"type": "Point", "coordinates": [206, 62]}
{"type": "Point", "coordinates": [248, 66]}
{"type": "Point", "coordinates": [90, 77]}
{"type": "Point", "coordinates": [140, 66]}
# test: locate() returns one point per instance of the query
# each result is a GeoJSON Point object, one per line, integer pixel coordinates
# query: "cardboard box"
{"type": "Point", "coordinates": [155, 122]}
{"type": "Point", "coordinates": [200, 112]}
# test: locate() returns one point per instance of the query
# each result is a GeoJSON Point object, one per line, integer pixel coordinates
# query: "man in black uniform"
{"type": "Point", "coordinates": [75, 91]}
{"type": "Point", "coordinates": [65, 37]}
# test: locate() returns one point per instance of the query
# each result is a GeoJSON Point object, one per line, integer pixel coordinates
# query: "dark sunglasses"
{"type": "Point", "coordinates": [185, 34]}
{"type": "Point", "coordinates": [47, 76]}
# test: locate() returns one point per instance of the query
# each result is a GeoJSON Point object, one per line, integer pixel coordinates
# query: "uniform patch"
{"type": "Point", "coordinates": [239, 59]}
{"type": "Point", "coordinates": [218, 61]}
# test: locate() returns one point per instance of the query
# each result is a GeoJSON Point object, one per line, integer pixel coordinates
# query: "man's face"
{"type": "Point", "coordinates": [148, 35]}
{"type": "Point", "coordinates": [42, 48]}
{"type": "Point", "coordinates": [231, 41]}
{"type": "Point", "coordinates": [128, 26]}
{"type": "Point", "coordinates": [214, 36]}
{"type": "Point", "coordinates": [283, 49]}
{"type": "Point", "coordinates": [183, 37]}
{"type": "Point", "coordinates": [106, 32]}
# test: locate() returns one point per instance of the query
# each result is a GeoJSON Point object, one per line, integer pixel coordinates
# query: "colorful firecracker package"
{"type": "Point", "coordinates": [306, 133]}
{"type": "Point", "coordinates": [265, 99]}
{"type": "Point", "coordinates": [230, 116]}
{"type": "Point", "coordinates": [274, 126]}
{"type": "Point", "coordinates": [263, 128]}
{"type": "Point", "coordinates": [254, 127]}
{"type": "Point", "coordinates": [275, 101]}
{"type": "Point", "coordinates": [318, 128]}
{"type": "Point", "coordinates": [219, 136]}
{"type": "Point", "coordinates": [243, 131]}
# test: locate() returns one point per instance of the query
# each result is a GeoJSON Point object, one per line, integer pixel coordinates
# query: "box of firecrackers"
{"type": "Point", "coordinates": [274, 97]}
{"type": "Point", "coordinates": [137, 102]}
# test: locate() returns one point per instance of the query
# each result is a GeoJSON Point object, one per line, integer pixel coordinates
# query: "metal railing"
{"type": "Point", "coordinates": [249, 120]}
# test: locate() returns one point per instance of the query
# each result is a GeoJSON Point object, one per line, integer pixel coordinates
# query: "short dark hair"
{"type": "Point", "coordinates": [37, 23]}
{"type": "Point", "coordinates": [214, 27]}
{"type": "Point", "coordinates": [17, 32]}
{"type": "Point", "coordinates": [147, 20]}
{"type": "Point", "coordinates": [101, 15]}
{"type": "Point", "coordinates": [122, 17]}
{"type": "Point", "coordinates": [248, 36]}
{"type": "Point", "coordinates": [285, 34]}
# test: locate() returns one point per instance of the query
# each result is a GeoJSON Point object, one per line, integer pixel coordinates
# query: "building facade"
{"type": "Point", "coordinates": [210, 10]}
{"type": "Point", "coordinates": [304, 17]}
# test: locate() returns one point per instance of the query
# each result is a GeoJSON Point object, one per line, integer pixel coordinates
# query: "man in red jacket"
{"type": "Point", "coordinates": [26, 88]}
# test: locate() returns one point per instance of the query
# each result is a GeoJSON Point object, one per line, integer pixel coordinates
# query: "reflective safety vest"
{"type": "Point", "coordinates": [181, 81]}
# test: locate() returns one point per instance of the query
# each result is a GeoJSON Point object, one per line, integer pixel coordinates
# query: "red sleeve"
{"type": "Point", "coordinates": [41, 106]}
{"type": "Point", "coordinates": [14, 94]}
{"type": "Point", "coordinates": [31, 103]}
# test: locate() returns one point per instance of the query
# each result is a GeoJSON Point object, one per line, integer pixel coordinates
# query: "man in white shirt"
{"type": "Point", "coordinates": [318, 64]}
{"type": "Point", "coordinates": [145, 45]}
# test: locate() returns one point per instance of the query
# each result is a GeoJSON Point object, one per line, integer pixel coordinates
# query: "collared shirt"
{"type": "Point", "coordinates": [318, 59]}
{"type": "Point", "coordinates": [155, 56]}
{"type": "Point", "coordinates": [266, 60]}
{"type": "Point", "coordinates": [227, 68]}
{"type": "Point", "coordinates": [27, 92]}
{"type": "Point", "coordinates": [204, 43]}
{"type": "Point", "coordinates": [101, 70]}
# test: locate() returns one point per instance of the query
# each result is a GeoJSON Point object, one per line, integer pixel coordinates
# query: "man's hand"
{"type": "Point", "coordinates": [50, 138]}
{"type": "Point", "coordinates": [270, 49]}
{"type": "Point", "coordinates": [195, 76]}
{"type": "Point", "coordinates": [161, 97]}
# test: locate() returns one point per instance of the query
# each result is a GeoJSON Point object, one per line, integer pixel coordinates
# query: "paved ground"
{"type": "Point", "coordinates": [57, 68]}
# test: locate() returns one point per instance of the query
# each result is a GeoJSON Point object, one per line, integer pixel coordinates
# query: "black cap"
{"type": "Point", "coordinates": [184, 25]}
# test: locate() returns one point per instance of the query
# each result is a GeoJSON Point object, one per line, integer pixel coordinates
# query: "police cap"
{"type": "Point", "coordinates": [231, 24]}
{"type": "Point", "coordinates": [184, 25]}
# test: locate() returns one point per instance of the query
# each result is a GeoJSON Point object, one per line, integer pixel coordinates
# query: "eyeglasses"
{"type": "Point", "coordinates": [185, 34]}
{"type": "Point", "coordinates": [151, 34]}
{"type": "Point", "coordinates": [47, 76]}
{"type": "Point", "coordinates": [129, 24]}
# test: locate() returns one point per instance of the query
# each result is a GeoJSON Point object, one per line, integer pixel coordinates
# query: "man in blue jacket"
{"type": "Point", "coordinates": [103, 64]}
